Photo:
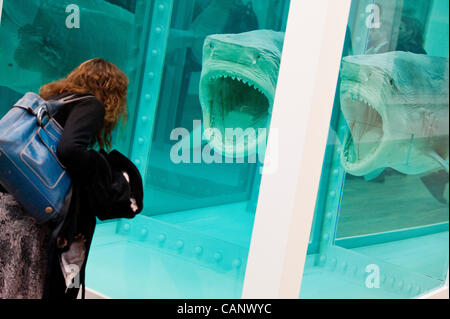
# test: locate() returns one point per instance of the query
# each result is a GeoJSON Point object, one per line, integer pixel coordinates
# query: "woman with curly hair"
{"type": "Point", "coordinates": [38, 261]}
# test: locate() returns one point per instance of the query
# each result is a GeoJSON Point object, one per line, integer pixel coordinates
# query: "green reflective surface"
{"type": "Point", "coordinates": [381, 222]}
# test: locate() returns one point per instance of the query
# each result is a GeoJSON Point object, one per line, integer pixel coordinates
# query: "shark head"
{"type": "Point", "coordinates": [40, 48]}
{"type": "Point", "coordinates": [237, 88]}
{"type": "Point", "coordinates": [396, 106]}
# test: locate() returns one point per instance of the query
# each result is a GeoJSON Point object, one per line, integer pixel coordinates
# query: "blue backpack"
{"type": "Point", "coordinates": [29, 167]}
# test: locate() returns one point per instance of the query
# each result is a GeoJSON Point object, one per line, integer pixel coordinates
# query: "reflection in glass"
{"type": "Point", "coordinates": [381, 223]}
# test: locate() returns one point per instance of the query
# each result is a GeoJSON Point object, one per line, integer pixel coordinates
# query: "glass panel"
{"type": "Point", "coordinates": [41, 41]}
{"type": "Point", "coordinates": [381, 223]}
{"type": "Point", "coordinates": [198, 218]}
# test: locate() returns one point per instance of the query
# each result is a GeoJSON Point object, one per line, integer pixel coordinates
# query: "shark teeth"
{"type": "Point", "coordinates": [351, 156]}
{"type": "Point", "coordinates": [237, 78]}
{"type": "Point", "coordinates": [358, 98]}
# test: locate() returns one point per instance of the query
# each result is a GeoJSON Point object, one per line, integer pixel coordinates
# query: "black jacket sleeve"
{"type": "Point", "coordinates": [112, 192]}
{"type": "Point", "coordinates": [83, 122]}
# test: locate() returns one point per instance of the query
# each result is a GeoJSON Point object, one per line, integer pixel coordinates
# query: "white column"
{"type": "Point", "coordinates": [301, 116]}
{"type": "Point", "coordinates": [1, 9]}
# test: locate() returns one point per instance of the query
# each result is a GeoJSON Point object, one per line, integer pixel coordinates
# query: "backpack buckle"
{"type": "Point", "coordinates": [41, 111]}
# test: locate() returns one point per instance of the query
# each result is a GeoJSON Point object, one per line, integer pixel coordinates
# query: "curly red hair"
{"type": "Point", "coordinates": [102, 79]}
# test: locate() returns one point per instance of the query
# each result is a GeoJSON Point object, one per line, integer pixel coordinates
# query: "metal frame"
{"type": "Point", "coordinates": [154, 64]}
{"type": "Point", "coordinates": [1, 10]}
{"type": "Point", "coordinates": [301, 117]}
{"type": "Point", "coordinates": [137, 51]}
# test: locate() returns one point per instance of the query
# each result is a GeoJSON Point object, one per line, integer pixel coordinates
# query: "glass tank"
{"type": "Point", "coordinates": [381, 226]}
{"type": "Point", "coordinates": [202, 83]}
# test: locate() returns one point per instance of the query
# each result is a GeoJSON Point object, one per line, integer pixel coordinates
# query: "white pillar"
{"type": "Point", "coordinates": [1, 9]}
{"type": "Point", "coordinates": [301, 116]}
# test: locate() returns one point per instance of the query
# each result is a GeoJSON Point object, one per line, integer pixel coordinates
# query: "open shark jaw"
{"type": "Point", "coordinates": [235, 101]}
{"type": "Point", "coordinates": [396, 108]}
{"type": "Point", "coordinates": [236, 91]}
{"type": "Point", "coordinates": [362, 143]}
{"type": "Point", "coordinates": [362, 89]}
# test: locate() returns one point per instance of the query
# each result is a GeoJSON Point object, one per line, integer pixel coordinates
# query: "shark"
{"type": "Point", "coordinates": [396, 105]}
{"type": "Point", "coordinates": [237, 88]}
{"type": "Point", "coordinates": [37, 47]}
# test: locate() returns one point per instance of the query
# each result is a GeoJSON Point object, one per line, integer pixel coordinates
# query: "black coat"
{"type": "Point", "coordinates": [105, 195]}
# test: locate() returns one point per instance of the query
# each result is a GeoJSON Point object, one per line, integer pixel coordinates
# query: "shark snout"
{"type": "Point", "coordinates": [237, 86]}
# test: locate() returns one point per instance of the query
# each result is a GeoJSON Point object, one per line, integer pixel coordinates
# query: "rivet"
{"type": "Point", "coordinates": [236, 263]}
{"type": "Point", "coordinates": [48, 210]}
{"type": "Point", "coordinates": [391, 281]}
{"type": "Point", "coordinates": [61, 242]}
{"type": "Point", "coordinates": [198, 250]}
{"type": "Point", "coordinates": [408, 288]}
{"type": "Point", "coordinates": [155, 52]}
{"type": "Point", "coordinates": [323, 259]}
{"type": "Point", "coordinates": [151, 75]}
{"type": "Point", "coordinates": [158, 29]}
{"type": "Point", "coordinates": [161, 7]}
{"type": "Point", "coordinates": [144, 119]}
{"type": "Point", "coordinates": [137, 162]}
{"type": "Point", "coordinates": [126, 226]}
{"type": "Point", "coordinates": [144, 231]}
{"type": "Point", "coordinates": [148, 97]}
{"type": "Point", "coordinates": [161, 238]}
{"type": "Point", "coordinates": [333, 194]}
{"type": "Point", "coordinates": [141, 141]}
{"type": "Point", "coordinates": [180, 244]}
{"type": "Point", "coordinates": [217, 256]}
